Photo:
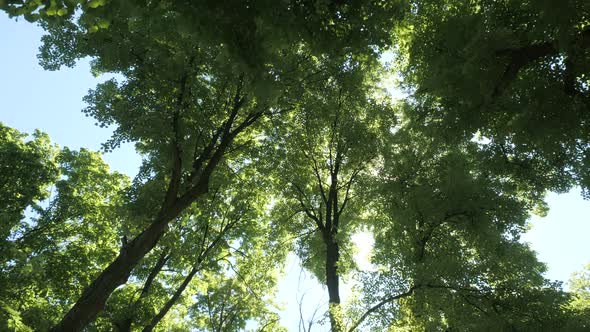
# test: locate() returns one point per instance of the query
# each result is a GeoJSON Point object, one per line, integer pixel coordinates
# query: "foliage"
{"type": "Point", "coordinates": [263, 131]}
{"type": "Point", "coordinates": [579, 285]}
{"type": "Point", "coordinates": [75, 213]}
{"type": "Point", "coordinates": [327, 140]}
{"type": "Point", "coordinates": [36, 158]}
{"type": "Point", "coordinates": [512, 72]}
{"type": "Point", "coordinates": [255, 32]}
{"type": "Point", "coordinates": [447, 244]}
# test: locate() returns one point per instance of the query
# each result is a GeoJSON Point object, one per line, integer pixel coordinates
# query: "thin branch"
{"type": "Point", "coordinates": [519, 58]}
{"type": "Point", "coordinates": [197, 267]}
{"type": "Point", "coordinates": [307, 211]}
{"type": "Point", "coordinates": [316, 171]}
{"type": "Point", "coordinates": [523, 56]}
{"type": "Point", "coordinates": [348, 186]}
{"type": "Point", "coordinates": [301, 320]}
{"type": "Point", "coordinates": [381, 304]}
{"type": "Point", "coordinates": [246, 283]}
{"type": "Point", "coordinates": [405, 294]}
{"type": "Point", "coordinates": [473, 304]}
{"type": "Point", "coordinates": [176, 177]}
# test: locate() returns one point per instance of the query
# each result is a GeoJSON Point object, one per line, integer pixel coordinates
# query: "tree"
{"type": "Point", "coordinates": [254, 32]}
{"type": "Point", "coordinates": [580, 303]}
{"type": "Point", "coordinates": [325, 147]}
{"type": "Point", "coordinates": [248, 110]}
{"type": "Point", "coordinates": [83, 218]}
{"type": "Point", "coordinates": [447, 243]}
{"type": "Point", "coordinates": [76, 205]}
{"type": "Point", "coordinates": [35, 158]}
{"type": "Point", "coordinates": [196, 253]}
{"type": "Point", "coordinates": [514, 73]}
{"type": "Point", "coordinates": [199, 64]}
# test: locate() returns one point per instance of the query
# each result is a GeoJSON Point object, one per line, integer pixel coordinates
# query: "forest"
{"type": "Point", "coordinates": [267, 128]}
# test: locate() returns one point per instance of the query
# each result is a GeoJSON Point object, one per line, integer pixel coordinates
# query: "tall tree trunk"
{"type": "Point", "coordinates": [95, 296]}
{"type": "Point", "coordinates": [333, 283]}
{"type": "Point", "coordinates": [333, 248]}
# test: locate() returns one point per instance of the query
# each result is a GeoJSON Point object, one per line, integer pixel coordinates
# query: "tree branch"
{"type": "Point", "coordinates": [307, 211]}
{"type": "Point", "coordinates": [381, 304]}
{"type": "Point", "coordinates": [176, 177]}
{"type": "Point", "coordinates": [348, 185]}
{"type": "Point", "coordinates": [522, 56]}
{"type": "Point", "coordinates": [316, 171]}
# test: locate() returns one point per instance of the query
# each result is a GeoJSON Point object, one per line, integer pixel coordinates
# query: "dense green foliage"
{"type": "Point", "coordinates": [514, 72]}
{"type": "Point", "coordinates": [75, 212]}
{"type": "Point", "coordinates": [265, 129]}
{"type": "Point", "coordinates": [580, 287]}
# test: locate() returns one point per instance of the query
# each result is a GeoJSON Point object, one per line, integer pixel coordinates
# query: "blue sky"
{"type": "Point", "coordinates": [31, 98]}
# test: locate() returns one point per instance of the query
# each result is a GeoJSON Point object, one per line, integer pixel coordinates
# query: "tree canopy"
{"type": "Point", "coordinates": [265, 129]}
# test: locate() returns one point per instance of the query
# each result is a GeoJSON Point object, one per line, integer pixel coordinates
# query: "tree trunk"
{"type": "Point", "coordinates": [95, 296]}
{"type": "Point", "coordinates": [333, 283]}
